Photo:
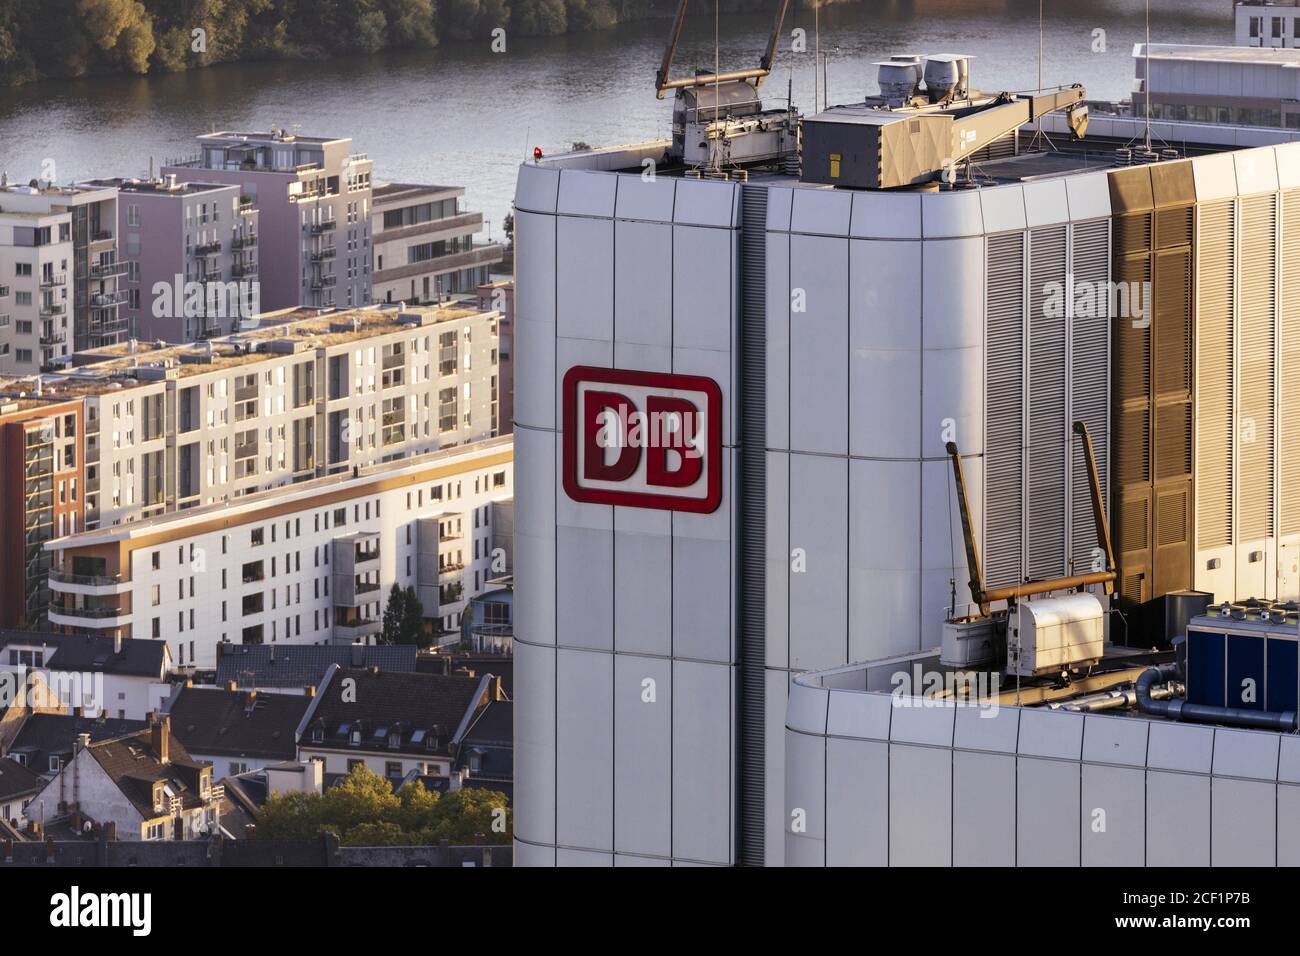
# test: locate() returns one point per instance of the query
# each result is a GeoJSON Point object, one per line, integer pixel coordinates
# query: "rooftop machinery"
{"type": "Point", "coordinates": [1044, 634]}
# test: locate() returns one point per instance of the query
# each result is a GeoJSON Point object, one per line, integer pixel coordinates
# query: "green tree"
{"type": "Point", "coordinates": [394, 616]}
{"type": "Point", "coordinates": [467, 816]}
{"type": "Point", "coordinates": [363, 810]}
{"type": "Point", "coordinates": [410, 23]}
{"type": "Point", "coordinates": [412, 617]}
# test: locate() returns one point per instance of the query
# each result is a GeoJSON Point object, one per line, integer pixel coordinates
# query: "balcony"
{"type": "Point", "coordinates": [352, 632]}
{"type": "Point", "coordinates": [244, 242]}
{"type": "Point", "coordinates": [208, 249]}
{"type": "Point", "coordinates": [362, 556]}
{"type": "Point", "coordinates": [101, 235]}
{"type": "Point", "coordinates": [244, 393]}
{"type": "Point", "coordinates": [54, 281]}
{"type": "Point", "coordinates": [451, 567]}
{"type": "Point", "coordinates": [93, 585]}
{"type": "Point", "coordinates": [52, 308]}
{"type": "Point", "coordinates": [89, 617]}
{"type": "Point", "coordinates": [105, 269]}
{"type": "Point", "coordinates": [324, 282]}
{"type": "Point", "coordinates": [54, 337]}
{"type": "Point", "coordinates": [367, 587]}
{"type": "Point", "coordinates": [106, 300]}
{"type": "Point", "coordinates": [246, 205]}
{"type": "Point", "coordinates": [324, 254]}
{"type": "Point", "coordinates": [325, 225]}
{"type": "Point", "coordinates": [243, 271]}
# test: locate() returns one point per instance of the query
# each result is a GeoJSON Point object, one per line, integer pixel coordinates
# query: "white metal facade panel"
{"type": "Point", "coordinates": [586, 193]}
{"type": "Point", "coordinates": [983, 809]}
{"type": "Point", "coordinates": [584, 590]}
{"type": "Point", "coordinates": [884, 555]}
{"type": "Point", "coordinates": [819, 335]}
{"type": "Point", "coordinates": [702, 761]}
{"type": "Point", "coordinates": [804, 818]}
{"type": "Point", "coordinates": [857, 782]}
{"type": "Point", "coordinates": [534, 743]}
{"type": "Point", "coordinates": [1113, 818]}
{"type": "Point", "coordinates": [584, 283]}
{"type": "Point", "coordinates": [920, 806]}
{"type": "Point", "coordinates": [777, 341]}
{"type": "Point", "coordinates": [643, 757]}
{"type": "Point", "coordinates": [821, 212]}
{"type": "Point", "coordinates": [535, 320]}
{"type": "Point", "coordinates": [1243, 823]}
{"type": "Point", "coordinates": [818, 537]}
{"type": "Point", "coordinates": [584, 773]}
{"type": "Point", "coordinates": [1047, 811]}
{"type": "Point", "coordinates": [778, 560]}
{"type": "Point", "coordinates": [645, 198]}
{"type": "Point", "coordinates": [643, 305]}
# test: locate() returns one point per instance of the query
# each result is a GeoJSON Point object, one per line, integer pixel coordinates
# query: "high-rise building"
{"type": "Point", "coordinates": [814, 353]}
{"type": "Point", "coordinates": [313, 197]}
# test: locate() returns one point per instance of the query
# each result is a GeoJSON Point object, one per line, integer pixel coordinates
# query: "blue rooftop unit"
{"type": "Point", "coordinates": [1245, 655]}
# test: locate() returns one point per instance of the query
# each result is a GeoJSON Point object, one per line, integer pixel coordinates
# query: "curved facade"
{"type": "Point", "coordinates": [850, 336]}
{"type": "Point", "coordinates": [878, 779]}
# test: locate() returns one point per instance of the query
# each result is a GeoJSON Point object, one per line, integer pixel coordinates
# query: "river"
{"type": "Point", "coordinates": [464, 115]}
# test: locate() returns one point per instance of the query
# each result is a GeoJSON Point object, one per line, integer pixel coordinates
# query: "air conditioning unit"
{"type": "Point", "coordinates": [1053, 634]}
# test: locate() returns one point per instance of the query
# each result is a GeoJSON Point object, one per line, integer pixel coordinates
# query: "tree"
{"type": "Point", "coordinates": [363, 811]}
{"type": "Point", "coordinates": [394, 616]}
{"type": "Point", "coordinates": [412, 618]}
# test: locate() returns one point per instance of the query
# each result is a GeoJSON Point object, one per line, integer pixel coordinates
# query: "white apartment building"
{"type": "Point", "coordinates": [35, 269]}
{"type": "Point", "coordinates": [85, 302]}
{"type": "Point", "coordinates": [309, 564]}
{"type": "Point", "coordinates": [300, 396]}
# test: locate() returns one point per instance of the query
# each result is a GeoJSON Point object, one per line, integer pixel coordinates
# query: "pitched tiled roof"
{"type": "Point", "coordinates": [415, 707]}
{"type": "Point", "coordinates": [44, 734]}
{"type": "Point", "coordinates": [132, 763]}
{"type": "Point", "coordinates": [93, 652]}
{"type": "Point", "coordinates": [16, 780]}
{"type": "Point", "coordinates": [256, 666]}
{"type": "Point", "coordinates": [238, 723]}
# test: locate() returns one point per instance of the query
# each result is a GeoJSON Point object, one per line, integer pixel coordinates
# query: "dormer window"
{"type": "Point", "coordinates": [55, 764]}
{"type": "Point", "coordinates": [317, 735]}
{"type": "Point", "coordinates": [394, 740]}
{"type": "Point", "coordinates": [158, 798]}
{"type": "Point", "coordinates": [355, 737]}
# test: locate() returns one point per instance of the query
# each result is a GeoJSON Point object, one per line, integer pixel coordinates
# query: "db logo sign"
{"type": "Point", "coordinates": [642, 439]}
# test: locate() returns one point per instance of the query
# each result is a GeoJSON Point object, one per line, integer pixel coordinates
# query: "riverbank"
{"type": "Point", "coordinates": [46, 39]}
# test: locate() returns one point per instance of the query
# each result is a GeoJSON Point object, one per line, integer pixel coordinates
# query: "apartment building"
{"type": "Point", "coordinates": [86, 289]}
{"type": "Point", "coordinates": [311, 563]}
{"type": "Point", "coordinates": [301, 396]}
{"type": "Point", "coordinates": [191, 251]}
{"type": "Point", "coordinates": [35, 264]}
{"type": "Point", "coordinates": [424, 244]}
{"type": "Point", "coordinates": [499, 296]}
{"type": "Point", "coordinates": [313, 195]}
{"type": "Point", "coordinates": [42, 494]}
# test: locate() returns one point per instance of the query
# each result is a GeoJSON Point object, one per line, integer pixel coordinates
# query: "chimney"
{"type": "Point", "coordinates": [232, 686]}
{"type": "Point", "coordinates": [83, 741]}
{"type": "Point", "coordinates": [160, 732]}
{"type": "Point", "coordinates": [311, 691]}
{"type": "Point", "coordinates": [117, 642]}
{"type": "Point", "coordinates": [108, 829]}
{"type": "Point", "coordinates": [50, 851]}
{"type": "Point", "coordinates": [250, 700]}
{"type": "Point", "coordinates": [74, 821]}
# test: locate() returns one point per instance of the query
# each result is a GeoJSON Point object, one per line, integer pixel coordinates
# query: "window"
{"type": "Point", "coordinates": [156, 560]}
{"type": "Point", "coordinates": [55, 763]}
{"type": "Point", "coordinates": [256, 537]}
{"type": "Point", "coordinates": [393, 768]}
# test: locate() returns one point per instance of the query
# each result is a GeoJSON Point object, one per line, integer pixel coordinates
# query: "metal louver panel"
{"type": "Point", "coordinates": [1089, 383]}
{"type": "Point", "coordinates": [1214, 373]}
{"type": "Point", "coordinates": [1048, 429]}
{"type": "Point", "coordinates": [753, 527]}
{"type": "Point", "coordinates": [1255, 350]}
{"type": "Point", "coordinates": [1288, 409]}
{"type": "Point", "coordinates": [1004, 410]}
